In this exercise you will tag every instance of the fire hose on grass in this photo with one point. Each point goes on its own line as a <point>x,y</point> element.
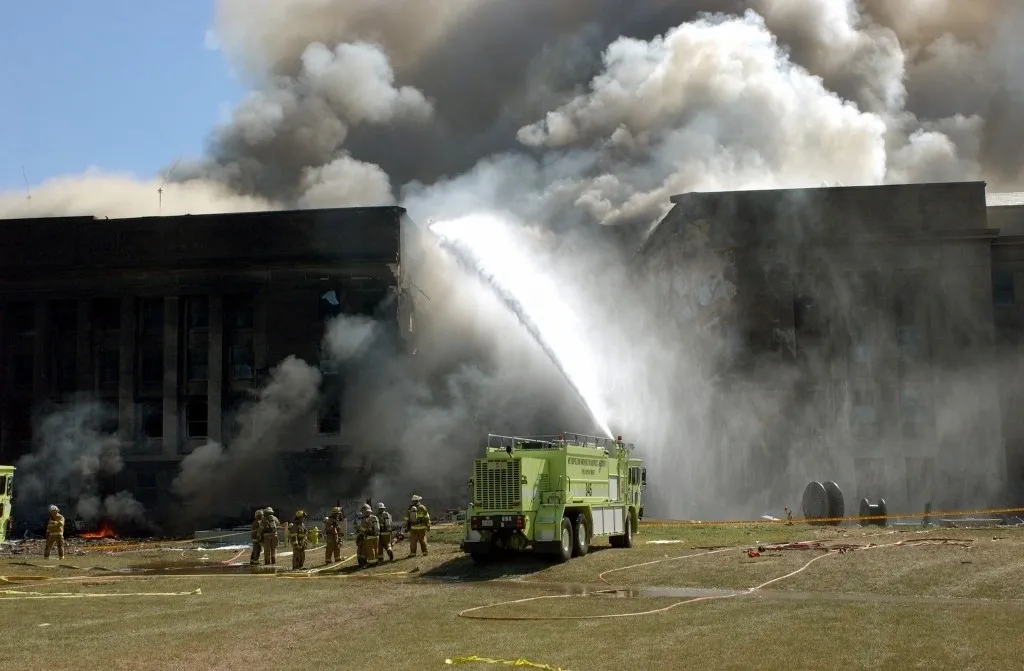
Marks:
<point>471,613</point>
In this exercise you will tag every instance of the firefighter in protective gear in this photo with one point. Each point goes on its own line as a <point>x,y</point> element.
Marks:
<point>298,540</point>
<point>54,533</point>
<point>417,521</point>
<point>257,538</point>
<point>386,529</point>
<point>333,535</point>
<point>367,536</point>
<point>268,532</point>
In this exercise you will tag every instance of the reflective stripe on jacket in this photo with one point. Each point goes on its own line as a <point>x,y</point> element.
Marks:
<point>55,526</point>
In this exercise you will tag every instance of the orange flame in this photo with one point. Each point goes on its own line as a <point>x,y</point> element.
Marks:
<point>104,531</point>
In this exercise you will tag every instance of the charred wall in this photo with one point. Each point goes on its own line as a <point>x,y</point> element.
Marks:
<point>174,322</point>
<point>868,314</point>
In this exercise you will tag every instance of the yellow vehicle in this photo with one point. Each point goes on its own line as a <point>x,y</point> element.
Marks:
<point>6,492</point>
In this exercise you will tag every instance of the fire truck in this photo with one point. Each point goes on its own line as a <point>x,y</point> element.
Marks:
<point>6,493</point>
<point>554,494</point>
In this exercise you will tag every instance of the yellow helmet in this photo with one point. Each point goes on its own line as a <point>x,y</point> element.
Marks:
<point>336,510</point>
<point>299,513</point>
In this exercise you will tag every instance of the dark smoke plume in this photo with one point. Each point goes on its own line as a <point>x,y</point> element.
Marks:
<point>566,115</point>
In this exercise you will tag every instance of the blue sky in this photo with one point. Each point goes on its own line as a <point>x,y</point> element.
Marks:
<point>115,84</point>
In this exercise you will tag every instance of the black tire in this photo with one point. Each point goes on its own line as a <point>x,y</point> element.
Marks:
<point>480,557</point>
<point>580,536</point>
<point>565,547</point>
<point>627,538</point>
<point>624,540</point>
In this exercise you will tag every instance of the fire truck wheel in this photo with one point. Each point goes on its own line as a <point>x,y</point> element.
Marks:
<point>626,539</point>
<point>480,557</point>
<point>565,545</point>
<point>580,536</point>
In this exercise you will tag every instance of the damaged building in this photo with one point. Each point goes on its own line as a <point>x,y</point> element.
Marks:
<point>887,318</point>
<point>174,322</point>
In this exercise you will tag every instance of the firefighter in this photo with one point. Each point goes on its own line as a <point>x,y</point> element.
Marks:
<point>417,521</point>
<point>54,533</point>
<point>257,538</point>
<point>386,528</point>
<point>268,532</point>
<point>297,538</point>
<point>368,535</point>
<point>332,536</point>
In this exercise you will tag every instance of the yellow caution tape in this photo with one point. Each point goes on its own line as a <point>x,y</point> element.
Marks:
<point>503,662</point>
<point>11,579</point>
<point>15,595</point>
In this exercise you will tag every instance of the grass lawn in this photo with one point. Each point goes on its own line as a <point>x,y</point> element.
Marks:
<point>919,604</point>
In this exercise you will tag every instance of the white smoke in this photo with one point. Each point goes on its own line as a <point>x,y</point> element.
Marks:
<point>75,460</point>
<point>214,478</point>
<point>594,114</point>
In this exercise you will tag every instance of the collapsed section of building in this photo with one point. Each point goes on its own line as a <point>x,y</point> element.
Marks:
<point>882,321</point>
<point>169,325</point>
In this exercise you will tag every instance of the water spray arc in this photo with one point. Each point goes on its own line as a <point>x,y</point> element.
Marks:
<point>463,253</point>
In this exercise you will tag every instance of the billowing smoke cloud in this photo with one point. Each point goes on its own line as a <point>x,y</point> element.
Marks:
<point>75,461</point>
<point>559,115</point>
<point>217,480</point>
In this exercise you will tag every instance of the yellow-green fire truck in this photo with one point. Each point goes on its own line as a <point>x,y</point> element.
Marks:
<point>554,493</point>
<point>6,493</point>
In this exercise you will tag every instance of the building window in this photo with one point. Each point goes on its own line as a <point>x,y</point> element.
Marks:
<point>914,412</point>
<point>198,310</point>
<point>198,365</point>
<point>67,365</point>
<point>243,361</point>
<point>109,365</point>
<point>151,314</point>
<point>65,317</point>
<point>21,318</point>
<point>151,419</point>
<point>329,305</point>
<point>329,418</point>
<point>110,422</point>
<point>196,415</point>
<point>911,342</point>
<point>106,314</point>
<point>1002,289</point>
<point>145,480</point>
<point>241,312</point>
<point>864,414</point>
<point>23,365</point>
<point>152,372</point>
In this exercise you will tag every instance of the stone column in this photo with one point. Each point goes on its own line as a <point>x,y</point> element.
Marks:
<point>126,369</point>
<point>86,380</point>
<point>41,369</point>
<point>259,334</point>
<point>172,417</point>
<point>215,376</point>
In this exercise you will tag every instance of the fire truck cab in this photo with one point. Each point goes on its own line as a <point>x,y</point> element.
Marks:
<point>554,494</point>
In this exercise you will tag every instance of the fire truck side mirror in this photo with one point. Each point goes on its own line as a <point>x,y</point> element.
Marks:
<point>643,477</point>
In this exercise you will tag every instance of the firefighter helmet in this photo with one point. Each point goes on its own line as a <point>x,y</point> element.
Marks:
<point>300,513</point>
<point>336,510</point>
<point>259,513</point>
<point>380,506</point>
<point>54,509</point>
<point>268,510</point>
<point>416,498</point>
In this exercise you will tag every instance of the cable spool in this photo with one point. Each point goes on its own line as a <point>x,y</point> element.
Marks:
<point>823,502</point>
<point>879,512</point>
